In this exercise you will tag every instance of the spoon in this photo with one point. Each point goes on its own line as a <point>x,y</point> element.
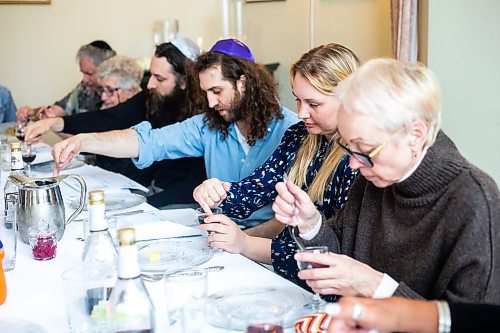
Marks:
<point>159,276</point>
<point>292,229</point>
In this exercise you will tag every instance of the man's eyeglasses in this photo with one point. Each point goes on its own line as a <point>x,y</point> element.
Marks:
<point>366,159</point>
<point>107,90</point>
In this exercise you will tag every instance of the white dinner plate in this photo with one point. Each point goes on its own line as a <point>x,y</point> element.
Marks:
<point>169,255</point>
<point>234,309</point>
<point>116,201</point>
<point>49,166</point>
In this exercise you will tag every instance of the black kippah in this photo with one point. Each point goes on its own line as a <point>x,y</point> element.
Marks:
<point>100,44</point>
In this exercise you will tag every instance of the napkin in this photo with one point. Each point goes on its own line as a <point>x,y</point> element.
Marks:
<point>313,323</point>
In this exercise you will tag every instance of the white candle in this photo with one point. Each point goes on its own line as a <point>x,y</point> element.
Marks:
<point>225,18</point>
<point>239,19</point>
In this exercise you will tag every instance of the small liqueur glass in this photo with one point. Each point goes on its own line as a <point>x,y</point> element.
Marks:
<point>29,155</point>
<point>201,215</point>
<point>316,302</point>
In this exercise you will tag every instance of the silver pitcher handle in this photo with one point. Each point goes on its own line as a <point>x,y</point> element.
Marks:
<point>83,194</point>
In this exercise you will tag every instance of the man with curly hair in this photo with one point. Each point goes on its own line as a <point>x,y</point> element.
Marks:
<point>243,125</point>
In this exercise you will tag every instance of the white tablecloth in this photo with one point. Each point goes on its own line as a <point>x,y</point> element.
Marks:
<point>35,287</point>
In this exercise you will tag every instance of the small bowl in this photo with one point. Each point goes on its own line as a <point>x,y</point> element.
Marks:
<point>43,241</point>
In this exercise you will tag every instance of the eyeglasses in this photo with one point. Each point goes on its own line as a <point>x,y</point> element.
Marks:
<point>107,90</point>
<point>366,159</point>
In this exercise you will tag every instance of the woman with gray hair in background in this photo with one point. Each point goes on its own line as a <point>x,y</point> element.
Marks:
<point>119,79</point>
<point>421,221</point>
<point>84,96</point>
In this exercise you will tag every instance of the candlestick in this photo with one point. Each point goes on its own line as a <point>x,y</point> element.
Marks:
<point>225,18</point>
<point>239,19</point>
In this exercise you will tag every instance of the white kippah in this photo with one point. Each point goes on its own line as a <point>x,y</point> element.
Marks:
<point>186,46</point>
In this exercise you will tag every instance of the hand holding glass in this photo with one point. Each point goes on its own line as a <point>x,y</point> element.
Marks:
<point>316,302</point>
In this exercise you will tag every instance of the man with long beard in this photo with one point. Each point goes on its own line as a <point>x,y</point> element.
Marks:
<point>239,131</point>
<point>165,102</point>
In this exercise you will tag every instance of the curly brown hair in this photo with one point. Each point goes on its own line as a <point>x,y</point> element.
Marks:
<point>259,103</point>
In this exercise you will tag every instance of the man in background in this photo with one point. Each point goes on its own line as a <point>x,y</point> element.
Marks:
<point>84,96</point>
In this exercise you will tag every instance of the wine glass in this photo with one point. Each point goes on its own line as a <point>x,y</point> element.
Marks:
<point>316,302</point>
<point>20,127</point>
<point>29,155</point>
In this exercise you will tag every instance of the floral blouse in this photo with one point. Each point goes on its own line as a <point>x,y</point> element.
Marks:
<point>258,190</point>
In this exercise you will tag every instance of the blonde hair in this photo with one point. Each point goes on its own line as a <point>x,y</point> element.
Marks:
<point>126,70</point>
<point>396,93</point>
<point>324,67</point>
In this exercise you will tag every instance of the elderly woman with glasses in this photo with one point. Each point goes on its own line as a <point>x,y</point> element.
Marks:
<point>119,79</point>
<point>420,221</point>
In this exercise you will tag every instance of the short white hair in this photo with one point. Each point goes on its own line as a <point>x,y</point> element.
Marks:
<point>126,70</point>
<point>396,93</point>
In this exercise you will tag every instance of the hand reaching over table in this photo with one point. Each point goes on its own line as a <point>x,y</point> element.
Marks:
<point>65,151</point>
<point>23,113</point>
<point>211,193</point>
<point>34,131</point>
<point>50,111</point>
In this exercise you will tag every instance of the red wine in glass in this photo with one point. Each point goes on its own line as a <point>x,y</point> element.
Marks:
<point>28,158</point>
<point>309,265</point>
<point>264,328</point>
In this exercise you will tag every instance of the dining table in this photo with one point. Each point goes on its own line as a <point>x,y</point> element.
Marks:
<point>34,287</point>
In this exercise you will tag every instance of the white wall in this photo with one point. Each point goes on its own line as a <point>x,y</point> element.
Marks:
<point>464,52</point>
<point>38,43</point>
<point>279,31</point>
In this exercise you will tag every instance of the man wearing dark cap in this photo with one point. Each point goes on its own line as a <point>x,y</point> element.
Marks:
<point>84,96</point>
<point>240,130</point>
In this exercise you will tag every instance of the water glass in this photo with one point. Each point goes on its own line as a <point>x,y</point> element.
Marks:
<point>316,302</point>
<point>183,288</point>
<point>194,317</point>
<point>86,296</point>
<point>201,215</point>
<point>8,236</point>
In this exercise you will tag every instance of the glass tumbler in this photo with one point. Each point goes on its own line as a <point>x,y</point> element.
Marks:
<point>43,241</point>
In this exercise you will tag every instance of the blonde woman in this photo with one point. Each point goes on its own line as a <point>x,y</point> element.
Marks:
<point>307,154</point>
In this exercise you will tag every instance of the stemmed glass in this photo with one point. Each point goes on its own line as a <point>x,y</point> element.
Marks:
<point>29,155</point>
<point>316,302</point>
<point>20,127</point>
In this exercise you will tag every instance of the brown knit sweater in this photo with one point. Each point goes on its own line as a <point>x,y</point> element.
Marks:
<point>437,233</point>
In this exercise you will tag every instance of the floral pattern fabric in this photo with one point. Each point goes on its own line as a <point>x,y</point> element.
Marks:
<point>258,190</point>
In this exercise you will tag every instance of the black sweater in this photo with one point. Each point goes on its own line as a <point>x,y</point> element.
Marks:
<point>177,177</point>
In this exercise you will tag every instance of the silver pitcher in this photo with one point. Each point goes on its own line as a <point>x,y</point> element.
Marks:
<point>40,200</point>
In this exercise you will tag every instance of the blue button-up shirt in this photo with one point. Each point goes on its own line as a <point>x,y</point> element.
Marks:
<point>7,106</point>
<point>224,158</point>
